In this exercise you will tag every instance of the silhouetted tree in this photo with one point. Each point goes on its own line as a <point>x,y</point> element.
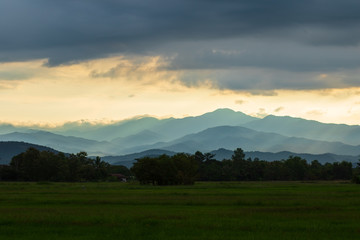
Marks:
<point>164,170</point>
<point>297,168</point>
<point>240,165</point>
<point>356,173</point>
<point>342,170</point>
<point>34,165</point>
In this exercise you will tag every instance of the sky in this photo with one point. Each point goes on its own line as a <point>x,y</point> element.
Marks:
<point>102,61</point>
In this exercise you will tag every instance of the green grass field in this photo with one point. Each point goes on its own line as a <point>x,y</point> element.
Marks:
<point>246,210</point>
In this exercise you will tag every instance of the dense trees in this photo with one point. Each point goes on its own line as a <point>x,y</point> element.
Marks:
<point>238,168</point>
<point>34,165</point>
<point>356,175</point>
<point>164,170</point>
<point>184,169</point>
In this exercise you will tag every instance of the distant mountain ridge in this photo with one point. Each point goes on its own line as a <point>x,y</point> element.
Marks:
<point>221,154</point>
<point>141,138</point>
<point>230,137</point>
<point>10,149</point>
<point>298,127</point>
<point>129,159</point>
<point>223,128</point>
<point>171,128</point>
<point>56,141</point>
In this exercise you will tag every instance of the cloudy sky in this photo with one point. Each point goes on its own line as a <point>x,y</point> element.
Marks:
<point>108,60</point>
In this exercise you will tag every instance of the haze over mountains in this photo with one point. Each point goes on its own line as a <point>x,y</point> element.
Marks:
<point>223,128</point>
<point>298,127</point>
<point>169,129</point>
<point>230,137</point>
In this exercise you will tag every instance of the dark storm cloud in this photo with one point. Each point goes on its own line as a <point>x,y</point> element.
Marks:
<point>269,53</point>
<point>70,30</point>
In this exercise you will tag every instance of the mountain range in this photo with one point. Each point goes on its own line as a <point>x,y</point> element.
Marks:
<point>11,149</point>
<point>230,137</point>
<point>223,128</point>
<point>220,154</point>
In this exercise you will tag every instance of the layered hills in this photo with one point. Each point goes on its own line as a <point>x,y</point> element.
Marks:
<point>10,149</point>
<point>223,128</point>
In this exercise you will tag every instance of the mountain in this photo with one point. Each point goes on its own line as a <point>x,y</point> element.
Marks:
<point>250,140</point>
<point>62,143</point>
<point>223,128</point>
<point>10,149</point>
<point>141,138</point>
<point>297,127</point>
<point>130,135</point>
<point>9,128</point>
<point>222,153</point>
<point>111,131</point>
<point>175,128</point>
<point>169,129</point>
<point>129,159</point>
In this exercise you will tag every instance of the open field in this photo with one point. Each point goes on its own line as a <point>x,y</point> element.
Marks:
<point>246,210</point>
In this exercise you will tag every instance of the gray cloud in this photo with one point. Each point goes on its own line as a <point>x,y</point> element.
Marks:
<point>262,81</point>
<point>286,37</point>
<point>269,53</point>
<point>69,30</point>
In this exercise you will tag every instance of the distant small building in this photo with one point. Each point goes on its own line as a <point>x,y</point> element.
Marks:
<point>119,176</point>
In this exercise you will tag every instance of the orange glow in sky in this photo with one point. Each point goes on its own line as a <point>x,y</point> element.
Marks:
<point>117,88</point>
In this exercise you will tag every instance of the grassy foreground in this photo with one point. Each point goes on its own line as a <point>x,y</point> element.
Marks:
<point>255,210</point>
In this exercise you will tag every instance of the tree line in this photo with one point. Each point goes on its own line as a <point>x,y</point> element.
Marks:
<point>35,165</point>
<point>240,168</point>
<point>165,170</point>
<point>181,168</point>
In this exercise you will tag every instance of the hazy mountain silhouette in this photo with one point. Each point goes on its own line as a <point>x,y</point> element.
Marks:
<point>297,127</point>
<point>112,131</point>
<point>250,140</point>
<point>10,149</point>
<point>223,128</point>
<point>129,159</point>
<point>9,128</point>
<point>222,153</point>
<point>175,128</point>
<point>169,129</point>
<point>59,142</point>
<point>141,138</point>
